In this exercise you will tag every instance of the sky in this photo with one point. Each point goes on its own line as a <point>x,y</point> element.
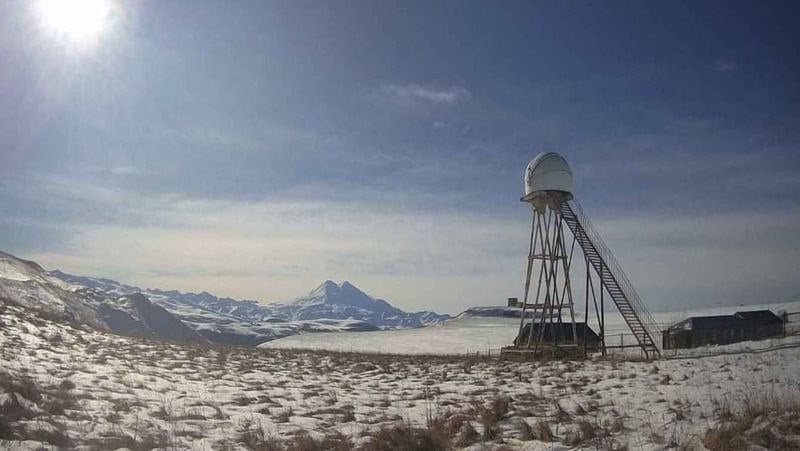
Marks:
<point>254,149</point>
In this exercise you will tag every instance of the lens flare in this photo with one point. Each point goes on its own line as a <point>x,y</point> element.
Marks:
<point>78,21</point>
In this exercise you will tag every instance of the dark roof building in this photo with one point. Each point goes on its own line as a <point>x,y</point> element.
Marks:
<point>560,333</point>
<point>723,329</point>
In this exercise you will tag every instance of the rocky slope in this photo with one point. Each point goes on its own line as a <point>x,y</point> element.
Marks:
<point>28,285</point>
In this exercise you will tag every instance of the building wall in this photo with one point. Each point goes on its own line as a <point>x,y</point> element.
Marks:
<point>694,338</point>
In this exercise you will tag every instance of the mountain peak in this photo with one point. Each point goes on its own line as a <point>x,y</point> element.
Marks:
<point>329,284</point>
<point>350,290</point>
<point>325,288</point>
<point>346,301</point>
<point>346,285</point>
<point>333,291</point>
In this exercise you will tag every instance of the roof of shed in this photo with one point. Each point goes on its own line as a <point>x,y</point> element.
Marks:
<point>738,319</point>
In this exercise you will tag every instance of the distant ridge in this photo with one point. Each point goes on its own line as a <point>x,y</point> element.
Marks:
<point>173,315</point>
<point>494,311</point>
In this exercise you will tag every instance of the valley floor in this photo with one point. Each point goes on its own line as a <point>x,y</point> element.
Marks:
<point>73,387</point>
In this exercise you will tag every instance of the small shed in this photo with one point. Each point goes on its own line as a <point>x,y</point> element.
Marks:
<point>560,333</point>
<point>723,329</point>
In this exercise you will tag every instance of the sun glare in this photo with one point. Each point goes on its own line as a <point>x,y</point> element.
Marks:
<point>79,21</point>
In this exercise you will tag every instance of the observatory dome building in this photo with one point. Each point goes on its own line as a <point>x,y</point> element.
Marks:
<point>551,328</point>
<point>548,172</point>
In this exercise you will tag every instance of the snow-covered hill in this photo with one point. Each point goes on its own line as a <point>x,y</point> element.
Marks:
<point>135,314</point>
<point>28,285</point>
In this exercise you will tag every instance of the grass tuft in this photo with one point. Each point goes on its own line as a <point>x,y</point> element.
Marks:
<point>770,421</point>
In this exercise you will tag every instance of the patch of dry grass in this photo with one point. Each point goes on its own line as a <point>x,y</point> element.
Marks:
<point>768,420</point>
<point>402,436</point>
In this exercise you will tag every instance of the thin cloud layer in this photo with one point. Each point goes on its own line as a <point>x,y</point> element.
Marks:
<point>449,260</point>
<point>412,93</point>
<point>725,65</point>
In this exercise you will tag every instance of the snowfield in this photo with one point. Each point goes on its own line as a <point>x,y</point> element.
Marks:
<point>453,337</point>
<point>486,335</point>
<point>77,387</point>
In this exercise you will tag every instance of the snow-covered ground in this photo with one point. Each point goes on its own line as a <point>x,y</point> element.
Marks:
<point>477,334</point>
<point>68,386</point>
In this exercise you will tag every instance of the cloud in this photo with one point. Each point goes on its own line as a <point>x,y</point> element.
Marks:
<point>447,260</point>
<point>702,258</point>
<point>275,250</point>
<point>411,93</point>
<point>725,65</point>
<point>119,170</point>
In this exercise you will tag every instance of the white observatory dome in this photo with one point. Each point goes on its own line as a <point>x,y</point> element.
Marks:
<point>548,172</point>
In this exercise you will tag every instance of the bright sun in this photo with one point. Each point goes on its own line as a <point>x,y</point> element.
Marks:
<point>79,21</point>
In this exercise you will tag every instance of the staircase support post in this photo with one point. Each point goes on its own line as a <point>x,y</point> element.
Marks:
<point>586,309</point>
<point>602,315</point>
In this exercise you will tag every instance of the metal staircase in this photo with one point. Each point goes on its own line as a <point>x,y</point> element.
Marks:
<point>626,299</point>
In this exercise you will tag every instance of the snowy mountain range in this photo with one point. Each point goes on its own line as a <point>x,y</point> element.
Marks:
<point>111,305</point>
